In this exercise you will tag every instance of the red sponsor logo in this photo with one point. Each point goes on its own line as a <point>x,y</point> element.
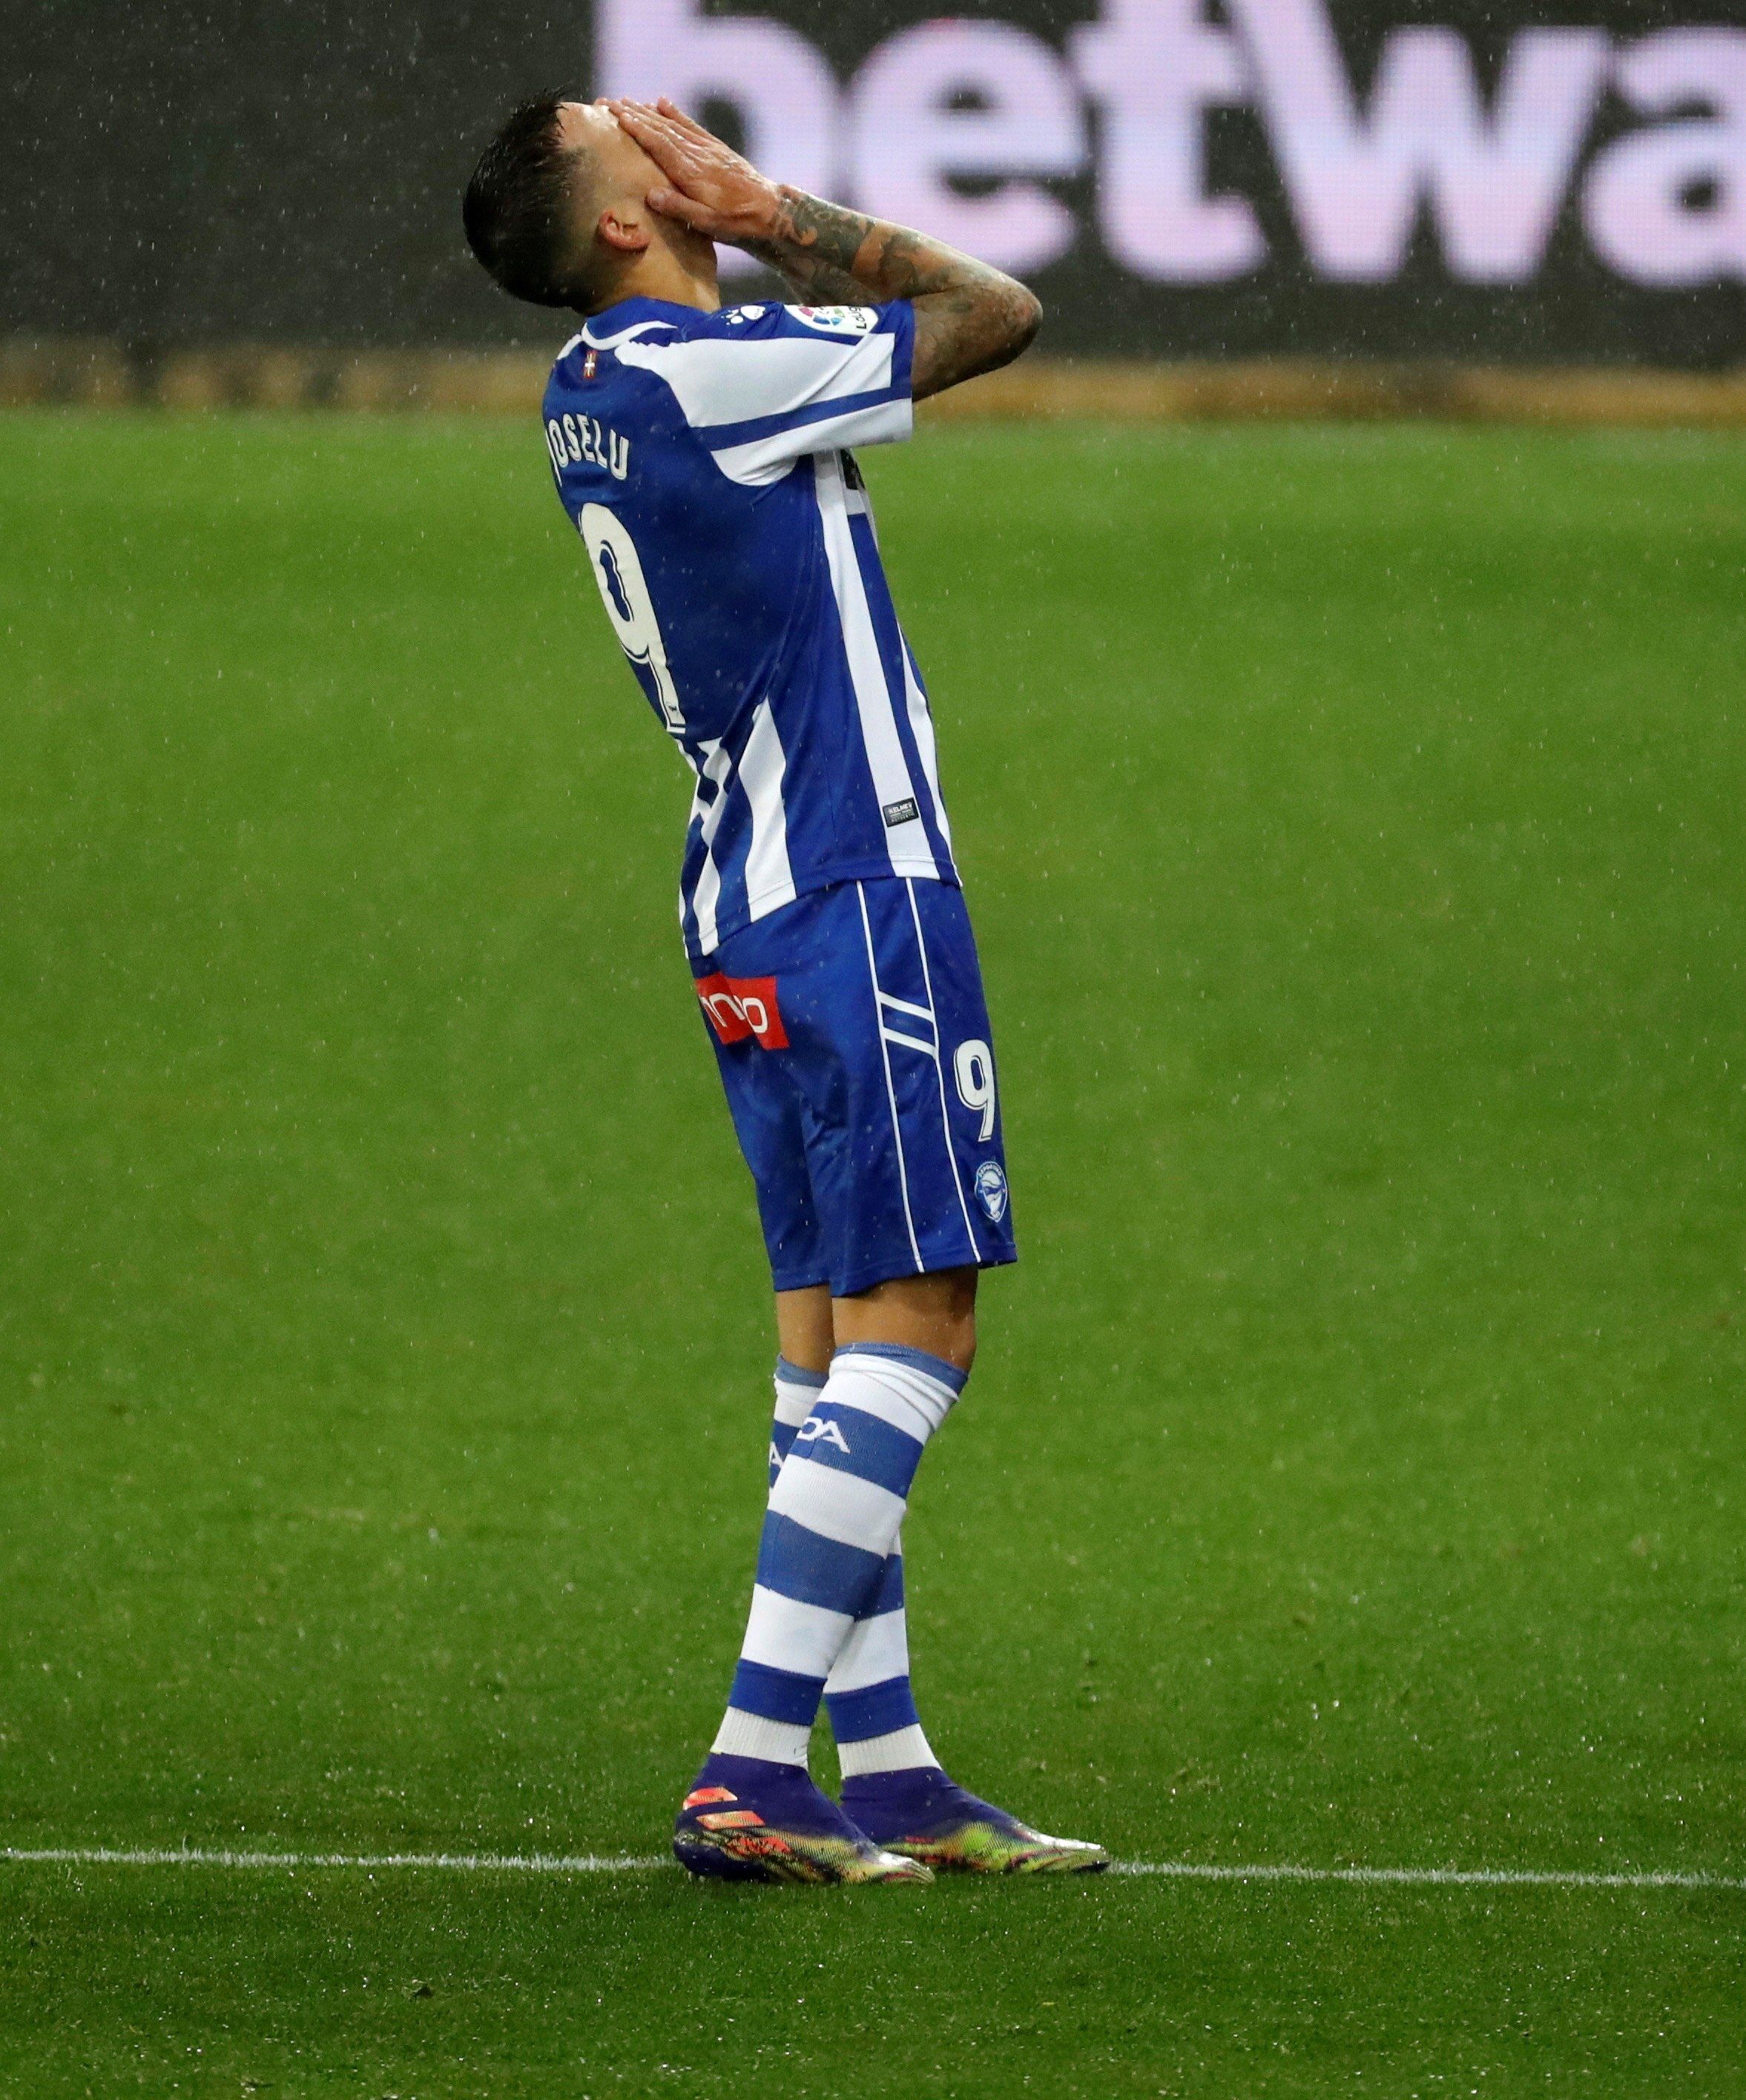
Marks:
<point>740,1007</point>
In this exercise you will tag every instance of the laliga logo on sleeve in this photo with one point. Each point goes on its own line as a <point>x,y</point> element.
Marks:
<point>839,320</point>
<point>991,1189</point>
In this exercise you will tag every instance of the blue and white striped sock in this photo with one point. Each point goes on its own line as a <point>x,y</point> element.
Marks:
<point>797,1393</point>
<point>872,1707</point>
<point>835,1512</point>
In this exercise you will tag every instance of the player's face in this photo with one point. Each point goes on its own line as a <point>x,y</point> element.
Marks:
<point>626,173</point>
<point>592,126</point>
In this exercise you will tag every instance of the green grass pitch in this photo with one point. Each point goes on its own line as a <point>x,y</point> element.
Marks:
<point>1354,1470</point>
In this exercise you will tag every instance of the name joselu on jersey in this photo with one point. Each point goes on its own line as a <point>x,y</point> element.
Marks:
<point>572,437</point>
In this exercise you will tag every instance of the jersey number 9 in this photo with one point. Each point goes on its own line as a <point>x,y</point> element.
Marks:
<point>624,592</point>
<point>973,1067</point>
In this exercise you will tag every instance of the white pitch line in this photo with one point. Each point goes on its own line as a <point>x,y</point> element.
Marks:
<point>595,1863</point>
<point>1436,1877</point>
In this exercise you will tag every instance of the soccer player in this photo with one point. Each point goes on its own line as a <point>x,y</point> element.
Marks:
<point>704,454</point>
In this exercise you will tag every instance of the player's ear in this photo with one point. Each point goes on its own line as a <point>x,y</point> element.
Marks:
<point>625,230</point>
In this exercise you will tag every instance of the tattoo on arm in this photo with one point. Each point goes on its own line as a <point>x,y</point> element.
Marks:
<point>970,318</point>
<point>808,275</point>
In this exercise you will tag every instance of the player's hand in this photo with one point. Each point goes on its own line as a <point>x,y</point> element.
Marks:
<point>709,187</point>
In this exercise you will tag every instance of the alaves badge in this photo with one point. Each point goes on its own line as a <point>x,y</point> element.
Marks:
<point>991,1189</point>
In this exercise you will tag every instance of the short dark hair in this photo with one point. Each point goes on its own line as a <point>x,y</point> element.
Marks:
<point>519,210</point>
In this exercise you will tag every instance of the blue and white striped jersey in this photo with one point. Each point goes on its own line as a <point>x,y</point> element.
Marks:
<point>703,458</point>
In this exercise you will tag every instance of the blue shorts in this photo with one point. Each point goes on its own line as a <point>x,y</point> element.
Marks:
<point>854,1046</point>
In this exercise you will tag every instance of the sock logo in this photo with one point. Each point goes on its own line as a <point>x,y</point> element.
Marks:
<point>814,1431</point>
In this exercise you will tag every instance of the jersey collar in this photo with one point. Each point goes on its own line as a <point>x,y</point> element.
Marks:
<point>628,317</point>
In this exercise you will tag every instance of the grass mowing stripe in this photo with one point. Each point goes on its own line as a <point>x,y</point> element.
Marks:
<point>1354,1465</point>
<point>539,1862</point>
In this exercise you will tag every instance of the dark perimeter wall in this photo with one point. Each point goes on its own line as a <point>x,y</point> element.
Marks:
<point>1442,179</point>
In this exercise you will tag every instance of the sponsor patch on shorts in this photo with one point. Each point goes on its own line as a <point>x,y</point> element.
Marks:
<point>739,1008</point>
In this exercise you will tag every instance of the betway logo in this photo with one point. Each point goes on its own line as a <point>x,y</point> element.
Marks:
<point>949,102</point>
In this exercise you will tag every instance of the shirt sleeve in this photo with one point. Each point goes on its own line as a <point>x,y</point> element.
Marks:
<point>764,385</point>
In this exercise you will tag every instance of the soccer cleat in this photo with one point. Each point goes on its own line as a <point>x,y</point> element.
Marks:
<point>924,1815</point>
<point>745,1819</point>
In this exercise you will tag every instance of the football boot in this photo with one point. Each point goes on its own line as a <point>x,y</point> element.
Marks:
<point>922,1814</point>
<point>745,1819</point>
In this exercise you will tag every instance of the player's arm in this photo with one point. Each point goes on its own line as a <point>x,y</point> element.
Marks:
<point>808,275</point>
<point>970,318</point>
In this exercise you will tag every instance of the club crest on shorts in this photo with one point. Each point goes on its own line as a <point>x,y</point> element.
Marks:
<point>991,1189</point>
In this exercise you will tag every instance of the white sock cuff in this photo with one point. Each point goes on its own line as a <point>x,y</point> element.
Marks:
<point>912,1391</point>
<point>743,1735</point>
<point>904,1749</point>
<point>797,1392</point>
